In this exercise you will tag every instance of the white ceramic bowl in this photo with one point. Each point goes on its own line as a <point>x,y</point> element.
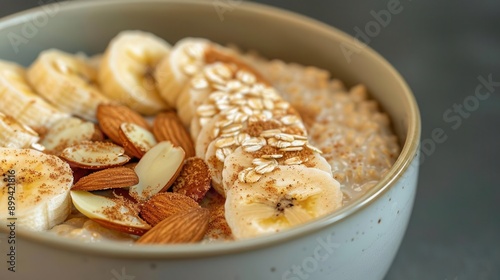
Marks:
<point>358,242</point>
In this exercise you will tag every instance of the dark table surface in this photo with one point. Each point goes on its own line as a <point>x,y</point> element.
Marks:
<point>440,48</point>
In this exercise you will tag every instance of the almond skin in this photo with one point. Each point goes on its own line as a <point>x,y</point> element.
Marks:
<point>163,205</point>
<point>194,180</point>
<point>135,140</point>
<point>111,178</point>
<point>98,135</point>
<point>79,173</point>
<point>111,116</point>
<point>124,194</point>
<point>186,227</point>
<point>168,127</point>
<point>122,228</point>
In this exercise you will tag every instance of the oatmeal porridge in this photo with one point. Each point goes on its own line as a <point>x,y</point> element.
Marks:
<point>188,143</point>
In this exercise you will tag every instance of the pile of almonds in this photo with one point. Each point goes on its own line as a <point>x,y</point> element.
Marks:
<point>156,182</point>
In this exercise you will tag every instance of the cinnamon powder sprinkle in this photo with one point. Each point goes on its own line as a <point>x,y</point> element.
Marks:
<point>194,179</point>
<point>218,229</point>
<point>122,210</point>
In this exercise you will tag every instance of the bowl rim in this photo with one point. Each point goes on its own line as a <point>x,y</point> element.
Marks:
<point>116,249</point>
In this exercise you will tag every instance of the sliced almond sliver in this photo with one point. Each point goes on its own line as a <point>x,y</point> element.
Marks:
<point>95,155</point>
<point>157,170</point>
<point>69,132</point>
<point>136,139</point>
<point>116,214</point>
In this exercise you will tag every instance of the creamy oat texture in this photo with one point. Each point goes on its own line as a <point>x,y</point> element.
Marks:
<point>354,135</point>
<point>79,227</point>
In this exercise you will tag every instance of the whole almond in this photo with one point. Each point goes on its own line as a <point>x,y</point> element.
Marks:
<point>168,127</point>
<point>111,178</point>
<point>111,116</point>
<point>186,227</point>
<point>194,180</point>
<point>163,205</point>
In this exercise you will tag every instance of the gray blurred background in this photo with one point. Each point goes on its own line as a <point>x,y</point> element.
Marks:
<point>440,48</point>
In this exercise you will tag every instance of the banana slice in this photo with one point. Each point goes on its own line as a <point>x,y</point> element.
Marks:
<point>205,135</point>
<point>185,60</point>
<point>22,103</point>
<point>280,200</point>
<point>226,159</point>
<point>127,67</point>
<point>226,88</point>
<point>229,107</point>
<point>14,134</point>
<point>39,184</point>
<point>195,93</point>
<point>181,73</point>
<point>93,61</point>
<point>207,149</point>
<point>239,160</point>
<point>67,82</point>
<point>215,164</point>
